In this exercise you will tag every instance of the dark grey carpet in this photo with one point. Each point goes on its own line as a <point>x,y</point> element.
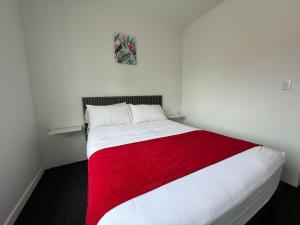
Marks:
<point>60,199</point>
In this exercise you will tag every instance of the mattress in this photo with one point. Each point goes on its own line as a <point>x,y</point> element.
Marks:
<point>228,192</point>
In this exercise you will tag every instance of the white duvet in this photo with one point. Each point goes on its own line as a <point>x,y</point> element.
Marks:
<point>200,198</point>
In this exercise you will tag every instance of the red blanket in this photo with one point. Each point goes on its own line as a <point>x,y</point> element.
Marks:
<point>120,173</point>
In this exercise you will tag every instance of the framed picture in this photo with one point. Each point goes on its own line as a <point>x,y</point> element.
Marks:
<point>125,49</point>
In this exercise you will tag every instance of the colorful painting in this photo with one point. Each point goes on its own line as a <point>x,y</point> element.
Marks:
<point>125,49</point>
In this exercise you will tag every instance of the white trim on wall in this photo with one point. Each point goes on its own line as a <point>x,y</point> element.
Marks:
<point>11,219</point>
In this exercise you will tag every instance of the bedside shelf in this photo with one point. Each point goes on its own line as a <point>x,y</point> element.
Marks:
<point>175,116</point>
<point>64,130</point>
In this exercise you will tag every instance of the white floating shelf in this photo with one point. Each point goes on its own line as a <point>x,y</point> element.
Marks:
<point>64,130</point>
<point>175,116</point>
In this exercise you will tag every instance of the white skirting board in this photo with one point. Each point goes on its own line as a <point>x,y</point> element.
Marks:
<point>22,201</point>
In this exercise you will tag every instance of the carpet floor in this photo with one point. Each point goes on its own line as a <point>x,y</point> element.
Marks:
<point>60,199</point>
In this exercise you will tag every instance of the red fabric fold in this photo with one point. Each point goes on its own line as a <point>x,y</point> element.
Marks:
<point>120,173</point>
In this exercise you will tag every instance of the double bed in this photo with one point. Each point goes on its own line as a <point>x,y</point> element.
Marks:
<point>228,192</point>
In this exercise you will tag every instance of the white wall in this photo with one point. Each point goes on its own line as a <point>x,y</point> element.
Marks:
<point>234,60</point>
<point>70,49</point>
<point>19,156</point>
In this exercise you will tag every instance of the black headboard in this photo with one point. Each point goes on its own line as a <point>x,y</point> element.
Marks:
<point>135,100</point>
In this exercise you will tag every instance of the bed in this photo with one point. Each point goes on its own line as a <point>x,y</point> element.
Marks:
<point>227,192</point>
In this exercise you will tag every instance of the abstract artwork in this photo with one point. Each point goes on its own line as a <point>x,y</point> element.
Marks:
<point>125,49</point>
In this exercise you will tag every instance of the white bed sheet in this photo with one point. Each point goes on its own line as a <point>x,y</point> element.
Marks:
<point>228,192</point>
<point>104,137</point>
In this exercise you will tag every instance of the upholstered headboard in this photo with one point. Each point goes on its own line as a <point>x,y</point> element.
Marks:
<point>135,100</point>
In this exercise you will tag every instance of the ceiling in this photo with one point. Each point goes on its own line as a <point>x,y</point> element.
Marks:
<point>178,12</point>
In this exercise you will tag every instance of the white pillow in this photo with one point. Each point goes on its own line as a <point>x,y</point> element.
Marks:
<point>86,115</point>
<point>110,115</point>
<point>144,113</point>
